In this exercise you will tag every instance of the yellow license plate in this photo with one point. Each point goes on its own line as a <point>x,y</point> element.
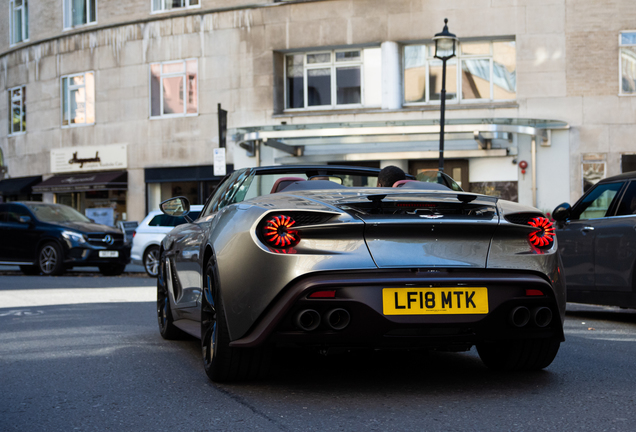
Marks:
<point>434,301</point>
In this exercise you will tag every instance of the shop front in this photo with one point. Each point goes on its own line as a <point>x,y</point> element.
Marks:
<point>193,182</point>
<point>91,179</point>
<point>19,189</point>
<point>100,196</point>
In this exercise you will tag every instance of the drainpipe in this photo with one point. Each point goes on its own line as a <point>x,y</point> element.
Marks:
<point>534,170</point>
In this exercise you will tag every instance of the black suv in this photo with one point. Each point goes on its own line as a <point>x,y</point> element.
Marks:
<point>50,238</point>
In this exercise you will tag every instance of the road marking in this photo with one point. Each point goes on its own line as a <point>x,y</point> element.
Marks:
<point>20,313</point>
<point>51,297</point>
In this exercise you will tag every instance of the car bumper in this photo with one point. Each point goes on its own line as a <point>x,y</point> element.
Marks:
<point>97,256</point>
<point>360,295</point>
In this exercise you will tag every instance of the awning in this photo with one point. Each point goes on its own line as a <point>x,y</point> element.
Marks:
<point>408,139</point>
<point>18,185</point>
<point>114,180</point>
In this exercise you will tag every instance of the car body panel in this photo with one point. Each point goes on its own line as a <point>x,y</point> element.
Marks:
<point>358,252</point>
<point>25,239</point>
<point>147,235</point>
<point>598,247</point>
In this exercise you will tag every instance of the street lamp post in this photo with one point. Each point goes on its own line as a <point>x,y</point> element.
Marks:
<point>445,44</point>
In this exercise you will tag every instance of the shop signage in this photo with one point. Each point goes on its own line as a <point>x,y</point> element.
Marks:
<point>219,162</point>
<point>89,158</point>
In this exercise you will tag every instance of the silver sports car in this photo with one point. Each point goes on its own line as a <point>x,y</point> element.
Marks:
<point>318,257</point>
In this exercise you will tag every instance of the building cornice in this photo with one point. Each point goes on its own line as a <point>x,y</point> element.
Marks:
<point>153,18</point>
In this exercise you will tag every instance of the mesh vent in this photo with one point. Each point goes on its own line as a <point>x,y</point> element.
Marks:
<point>306,218</point>
<point>522,218</point>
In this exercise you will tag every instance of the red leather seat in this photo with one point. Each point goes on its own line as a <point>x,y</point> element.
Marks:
<point>401,182</point>
<point>283,182</point>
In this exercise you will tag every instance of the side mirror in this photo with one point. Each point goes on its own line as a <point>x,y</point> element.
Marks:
<point>25,219</point>
<point>561,212</point>
<point>178,206</point>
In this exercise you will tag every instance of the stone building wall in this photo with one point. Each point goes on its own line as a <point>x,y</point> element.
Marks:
<point>567,69</point>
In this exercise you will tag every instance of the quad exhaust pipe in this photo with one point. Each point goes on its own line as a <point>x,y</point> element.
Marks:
<point>309,319</point>
<point>521,316</point>
<point>337,319</point>
<point>541,316</point>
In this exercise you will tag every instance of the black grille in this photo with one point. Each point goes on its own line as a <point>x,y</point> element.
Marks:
<point>99,239</point>
<point>305,218</point>
<point>522,218</point>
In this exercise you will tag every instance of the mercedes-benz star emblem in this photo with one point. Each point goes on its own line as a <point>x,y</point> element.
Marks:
<point>108,239</point>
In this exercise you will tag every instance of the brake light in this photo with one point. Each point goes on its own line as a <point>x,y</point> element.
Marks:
<point>134,233</point>
<point>534,292</point>
<point>543,237</point>
<point>278,232</point>
<point>323,294</point>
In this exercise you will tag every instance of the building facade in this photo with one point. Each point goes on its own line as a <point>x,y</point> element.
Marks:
<point>113,106</point>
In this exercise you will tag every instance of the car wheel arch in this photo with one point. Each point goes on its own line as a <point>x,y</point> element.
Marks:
<point>49,239</point>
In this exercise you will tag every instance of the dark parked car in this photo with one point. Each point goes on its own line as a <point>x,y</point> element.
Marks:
<point>282,257</point>
<point>597,241</point>
<point>50,238</point>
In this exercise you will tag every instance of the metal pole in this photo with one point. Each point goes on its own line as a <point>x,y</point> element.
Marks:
<point>441,125</point>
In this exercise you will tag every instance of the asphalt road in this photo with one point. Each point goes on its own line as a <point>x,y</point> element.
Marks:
<point>83,353</point>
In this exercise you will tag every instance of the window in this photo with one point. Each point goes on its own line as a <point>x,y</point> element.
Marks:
<point>592,171</point>
<point>173,88</point>
<point>331,79</point>
<point>627,59</point>
<point>166,5</point>
<point>172,221</point>
<point>481,71</point>
<point>597,202</point>
<point>79,12</point>
<point>17,110</point>
<point>78,99</point>
<point>18,21</point>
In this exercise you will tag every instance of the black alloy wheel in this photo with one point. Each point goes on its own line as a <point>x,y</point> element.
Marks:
<point>151,261</point>
<point>519,355</point>
<point>167,329</point>
<point>50,259</point>
<point>221,362</point>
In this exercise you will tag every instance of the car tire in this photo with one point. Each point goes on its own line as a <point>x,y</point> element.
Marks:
<point>30,270</point>
<point>221,362</point>
<point>50,259</point>
<point>112,269</point>
<point>519,355</point>
<point>151,261</point>
<point>167,329</point>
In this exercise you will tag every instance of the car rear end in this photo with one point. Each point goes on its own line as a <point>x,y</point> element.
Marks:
<point>448,271</point>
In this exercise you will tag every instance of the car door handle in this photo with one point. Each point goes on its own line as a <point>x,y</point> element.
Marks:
<point>587,229</point>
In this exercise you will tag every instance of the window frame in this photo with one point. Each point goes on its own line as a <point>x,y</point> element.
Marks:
<point>67,8</point>
<point>22,109</point>
<point>62,96</point>
<point>186,6</point>
<point>185,88</point>
<point>620,61</point>
<point>25,22</point>
<point>458,61</point>
<point>333,65</point>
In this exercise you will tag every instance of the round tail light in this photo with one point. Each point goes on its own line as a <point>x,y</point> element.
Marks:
<point>278,232</point>
<point>543,237</point>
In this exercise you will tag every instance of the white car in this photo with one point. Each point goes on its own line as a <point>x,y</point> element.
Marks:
<point>148,235</point>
